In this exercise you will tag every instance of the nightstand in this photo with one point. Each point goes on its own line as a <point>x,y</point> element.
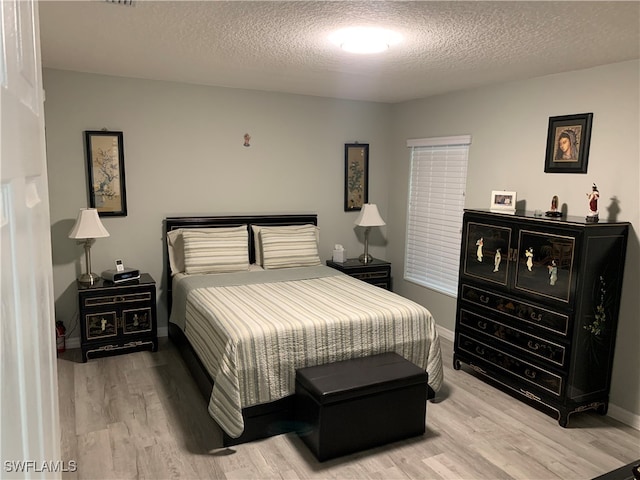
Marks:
<point>377,272</point>
<point>117,317</point>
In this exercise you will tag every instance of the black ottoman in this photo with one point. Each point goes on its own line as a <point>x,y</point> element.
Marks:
<point>353,405</point>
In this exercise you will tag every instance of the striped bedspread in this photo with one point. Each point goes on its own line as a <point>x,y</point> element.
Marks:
<point>253,330</point>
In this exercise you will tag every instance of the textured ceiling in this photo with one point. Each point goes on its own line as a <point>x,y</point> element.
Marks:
<point>284,47</point>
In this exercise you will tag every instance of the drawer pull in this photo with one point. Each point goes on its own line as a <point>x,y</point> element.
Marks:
<point>536,317</point>
<point>482,325</point>
<point>477,369</point>
<point>528,394</point>
<point>530,373</point>
<point>485,299</point>
<point>532,345</point>
<point>480,350</point>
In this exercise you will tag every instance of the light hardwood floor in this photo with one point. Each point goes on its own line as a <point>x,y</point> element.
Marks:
<point>140,416</point>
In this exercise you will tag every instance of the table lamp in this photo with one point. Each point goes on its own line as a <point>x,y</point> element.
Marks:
<point>87,227</point>
<point>369,217</point>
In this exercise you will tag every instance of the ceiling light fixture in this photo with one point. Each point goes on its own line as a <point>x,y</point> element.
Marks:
<point>365,39</point>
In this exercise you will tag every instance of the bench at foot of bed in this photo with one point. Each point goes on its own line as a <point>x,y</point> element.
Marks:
<point>353,405</point>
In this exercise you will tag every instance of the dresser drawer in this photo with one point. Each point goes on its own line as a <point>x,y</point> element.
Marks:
<point>95,301</point>
<point>372,274</point>
<point>511,365</point>
<point>377,272</point>
<point>531,344</point>
<point>516,309</point>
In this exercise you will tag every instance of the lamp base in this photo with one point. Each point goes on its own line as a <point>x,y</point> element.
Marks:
<point>88,278</point>
<point>365,258</point>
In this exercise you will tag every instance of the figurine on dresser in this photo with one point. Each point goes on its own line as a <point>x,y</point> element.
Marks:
<point>554,212</point>
<point>593,204</point>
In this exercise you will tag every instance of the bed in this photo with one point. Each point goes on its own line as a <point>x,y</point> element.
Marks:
<point>250,302</point>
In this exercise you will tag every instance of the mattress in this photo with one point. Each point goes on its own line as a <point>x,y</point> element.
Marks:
<point>252,330</point>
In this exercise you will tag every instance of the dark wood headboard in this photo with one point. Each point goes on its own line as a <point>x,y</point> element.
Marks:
<point>172,223</point>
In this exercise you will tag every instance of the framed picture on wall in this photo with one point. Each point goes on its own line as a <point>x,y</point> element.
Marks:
<point>356,176</point>
<point>568,140</point>
<point>105,171</point>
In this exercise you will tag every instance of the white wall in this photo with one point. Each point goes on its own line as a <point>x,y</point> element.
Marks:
<point>508,124</point>
<point>184,154</point>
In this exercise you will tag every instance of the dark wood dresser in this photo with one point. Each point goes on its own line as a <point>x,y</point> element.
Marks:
<point>117,317</point>
<point>537,308</point>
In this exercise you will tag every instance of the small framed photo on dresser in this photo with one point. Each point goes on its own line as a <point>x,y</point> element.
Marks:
<point>503,201</point>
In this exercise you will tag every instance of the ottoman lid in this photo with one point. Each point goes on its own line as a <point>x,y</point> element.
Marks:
<point>334,382</point>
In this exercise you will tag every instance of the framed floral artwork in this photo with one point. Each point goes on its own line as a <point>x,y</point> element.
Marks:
<point>356,176</point>
<point>105,169</point>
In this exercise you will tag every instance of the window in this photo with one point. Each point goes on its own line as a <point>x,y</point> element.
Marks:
<point>434,215</point>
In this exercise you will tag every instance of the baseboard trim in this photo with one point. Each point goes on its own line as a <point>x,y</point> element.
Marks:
<point>614,411</point>
<point>445,333</point>
<point>624,416</point>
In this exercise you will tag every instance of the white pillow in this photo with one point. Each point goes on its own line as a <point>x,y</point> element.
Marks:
<point>285,249</point>
<point>257,241</point>
<point>175,250</point>
<point>216,250</point>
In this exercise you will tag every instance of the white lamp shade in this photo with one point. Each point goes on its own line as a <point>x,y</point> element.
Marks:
<point>369,216</point>
<point>88,225</point>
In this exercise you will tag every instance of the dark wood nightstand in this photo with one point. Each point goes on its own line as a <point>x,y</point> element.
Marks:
<point>377,272</point>
<point>117,317</point>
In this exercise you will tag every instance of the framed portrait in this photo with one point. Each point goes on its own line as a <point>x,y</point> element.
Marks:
<point>568,141</point>
<point>105,171</point>
<point>356,176</point>
<point>503,201</point>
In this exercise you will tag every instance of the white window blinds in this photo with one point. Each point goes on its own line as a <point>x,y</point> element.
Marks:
<point>434,218</point>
